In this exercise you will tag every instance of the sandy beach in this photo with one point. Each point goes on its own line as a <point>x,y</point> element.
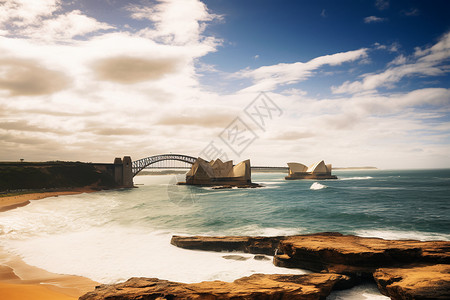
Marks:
<point>11,202</point>
<point>20,281</point>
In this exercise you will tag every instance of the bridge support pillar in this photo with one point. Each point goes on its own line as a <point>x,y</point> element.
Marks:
<point>127,172</point>
<point>123,174</point>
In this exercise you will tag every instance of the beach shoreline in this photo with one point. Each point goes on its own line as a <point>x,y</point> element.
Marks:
<point>19,280</point>
<point>15,201</point>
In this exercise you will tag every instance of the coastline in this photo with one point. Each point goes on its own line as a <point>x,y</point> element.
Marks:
<point>11,202</point>
<point>355,181</point>
<point>19,280</point>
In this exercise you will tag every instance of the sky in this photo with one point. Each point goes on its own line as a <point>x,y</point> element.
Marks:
<point>355,83</point>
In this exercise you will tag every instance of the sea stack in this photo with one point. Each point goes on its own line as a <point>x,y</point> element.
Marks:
<point>319,170</point>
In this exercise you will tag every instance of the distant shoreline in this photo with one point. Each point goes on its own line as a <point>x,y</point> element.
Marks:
<point>254,170</point>
<point>355,168</point>
<point>23,198</point>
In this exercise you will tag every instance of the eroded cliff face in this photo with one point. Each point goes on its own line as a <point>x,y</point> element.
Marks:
<point>258,286</point>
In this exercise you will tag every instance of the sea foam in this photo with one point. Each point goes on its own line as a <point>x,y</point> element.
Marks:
<point>110,255</point>
<point>357,178</point>
<point>403,235</point>
<point>365,291</point>
<point>317,186</point>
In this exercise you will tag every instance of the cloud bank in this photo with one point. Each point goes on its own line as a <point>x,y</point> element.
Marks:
<point>73,87</point>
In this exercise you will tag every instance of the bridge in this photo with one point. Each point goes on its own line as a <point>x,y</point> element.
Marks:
<point>166,161</point>
<point>156,160</point>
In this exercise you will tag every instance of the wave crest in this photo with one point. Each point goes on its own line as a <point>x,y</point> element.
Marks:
<point>317,186</point>
<point>357,178</point>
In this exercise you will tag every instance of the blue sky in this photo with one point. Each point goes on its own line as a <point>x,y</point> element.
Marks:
<point>355,83</point>
<point>258,33</point>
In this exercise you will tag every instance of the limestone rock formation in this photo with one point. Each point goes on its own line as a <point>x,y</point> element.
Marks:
<point>216,172</point>
<point>421,282</point>
<point>319,170</point>
<point>356,256</point>
<point>258,286</point>
<point>247,244</point>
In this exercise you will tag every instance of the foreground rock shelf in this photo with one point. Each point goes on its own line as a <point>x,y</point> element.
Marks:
<point>356,256</point>
<point>258,286</point>
<point>402,269</point>
<point>427,282</point>
<point>246,244</point>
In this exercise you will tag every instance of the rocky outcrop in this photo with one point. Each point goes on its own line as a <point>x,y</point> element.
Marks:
<point>258,286</point>
<point>246,244</point>
<point>356,256</point>
<point>423,282</point>
<point>403,269</point>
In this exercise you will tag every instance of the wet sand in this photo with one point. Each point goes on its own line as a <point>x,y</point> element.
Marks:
<point>20,281</point>
<point>11,202</point>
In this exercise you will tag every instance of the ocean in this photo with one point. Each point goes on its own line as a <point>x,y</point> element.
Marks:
<point>110,236</point>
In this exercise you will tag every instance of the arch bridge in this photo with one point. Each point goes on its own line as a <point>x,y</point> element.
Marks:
<point>141,164</point>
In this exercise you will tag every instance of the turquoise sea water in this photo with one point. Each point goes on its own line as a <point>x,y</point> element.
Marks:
<point>415,203</point>
<point>110,236</point>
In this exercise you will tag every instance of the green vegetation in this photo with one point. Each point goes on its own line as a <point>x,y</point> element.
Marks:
<point>51,175</point>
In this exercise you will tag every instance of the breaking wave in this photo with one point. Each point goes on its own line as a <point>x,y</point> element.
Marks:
<point>317,186</point>
<point>357,178</point>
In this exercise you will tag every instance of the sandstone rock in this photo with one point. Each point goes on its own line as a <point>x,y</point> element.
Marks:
<point>421,282</point>
<point>236,257</point>
<point>260,257</point>
<point>258,286</point>
<point>396,262</point>
<point>221,187</point>
<point>352,255</point>
<point>254,245</point>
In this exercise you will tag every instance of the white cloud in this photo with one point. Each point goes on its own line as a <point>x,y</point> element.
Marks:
<point>411,12</point>
<point>66,26</point>
<point>269,77</point>
<point>105,91</point>
<point>382,4</point>
<point>172,22</point>
<point>44,20</point>
<point>28,77</point>
<point>21,13</point>
<point>399,60</point>
<point>373,19</point>
<point>429,62</point>
<point>379,130</point>
<point>394,47</point>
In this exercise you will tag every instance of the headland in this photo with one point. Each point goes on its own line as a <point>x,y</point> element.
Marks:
<point>21,182</point>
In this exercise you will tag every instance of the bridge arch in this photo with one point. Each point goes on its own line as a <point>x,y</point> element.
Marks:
<point>141,164</point>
